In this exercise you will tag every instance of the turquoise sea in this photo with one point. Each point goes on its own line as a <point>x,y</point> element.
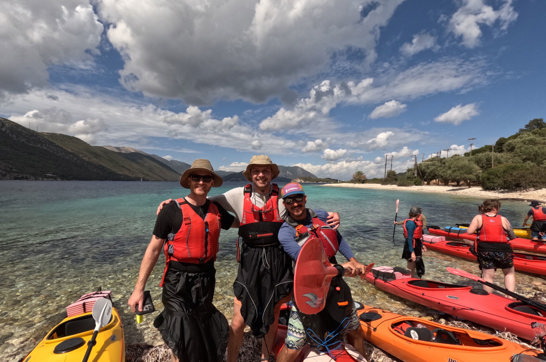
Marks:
<point>61,239</point>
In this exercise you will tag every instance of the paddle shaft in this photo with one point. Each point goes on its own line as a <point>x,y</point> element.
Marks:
<point>531,302</point>
<point>395,217</point>
<point>90,345</point>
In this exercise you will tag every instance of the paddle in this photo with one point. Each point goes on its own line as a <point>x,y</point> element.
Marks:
<point>312,276</point>
<point>464,274</point>
<point>102,312</point>
<point>395,217</point>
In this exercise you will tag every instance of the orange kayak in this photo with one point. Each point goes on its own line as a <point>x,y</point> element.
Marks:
<point>417,339</point>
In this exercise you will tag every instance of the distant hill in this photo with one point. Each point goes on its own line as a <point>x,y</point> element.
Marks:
<point>29,155</point>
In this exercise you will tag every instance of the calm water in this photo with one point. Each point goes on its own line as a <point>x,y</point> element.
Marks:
<point>62,239</point>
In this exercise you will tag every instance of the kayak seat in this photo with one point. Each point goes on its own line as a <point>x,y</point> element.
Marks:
<point>525,309</point>
<point>445,336</point>
<point>423,283</point>
<point>79,325</point>
<point>421,334</point>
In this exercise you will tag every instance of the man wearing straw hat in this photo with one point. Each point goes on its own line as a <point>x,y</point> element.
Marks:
<point>264,279</point>
<point>188,230</point>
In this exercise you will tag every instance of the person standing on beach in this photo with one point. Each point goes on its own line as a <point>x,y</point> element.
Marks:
<point>413,242</point>
<point>188,230</point>
<point>492,247</point>
<point>538,227</point>
<point>264,277</point>
<point>300,224</point>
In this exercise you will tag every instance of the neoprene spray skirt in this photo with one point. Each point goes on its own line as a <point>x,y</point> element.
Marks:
<point>190,324</point>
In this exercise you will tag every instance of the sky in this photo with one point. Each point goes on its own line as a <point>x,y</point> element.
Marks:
<point>334,87</point>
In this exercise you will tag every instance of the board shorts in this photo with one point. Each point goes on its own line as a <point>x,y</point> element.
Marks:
<point>538,227</point>
<point>328,327</point>
<point>264,278</point>
<point>495,255</point>
<point>190,324</point>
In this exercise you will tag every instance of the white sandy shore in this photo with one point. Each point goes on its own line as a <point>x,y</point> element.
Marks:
<point>474,191</point>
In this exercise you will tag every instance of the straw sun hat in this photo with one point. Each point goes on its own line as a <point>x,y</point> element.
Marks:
<point>261,160</point>
<point>200,165</point>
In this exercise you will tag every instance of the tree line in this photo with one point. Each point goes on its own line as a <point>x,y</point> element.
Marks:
<point>514,163</point>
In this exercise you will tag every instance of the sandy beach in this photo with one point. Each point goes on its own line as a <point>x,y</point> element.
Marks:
<point>474,191</point>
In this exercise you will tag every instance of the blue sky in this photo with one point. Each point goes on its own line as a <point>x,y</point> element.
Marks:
<point>332,86</point>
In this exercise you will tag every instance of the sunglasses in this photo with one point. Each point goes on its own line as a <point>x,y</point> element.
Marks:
<point>291,200</point>
<point>204,178</point>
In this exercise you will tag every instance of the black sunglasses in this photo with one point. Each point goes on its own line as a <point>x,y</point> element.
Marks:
<point>204,178</point>
<point>291,200</point>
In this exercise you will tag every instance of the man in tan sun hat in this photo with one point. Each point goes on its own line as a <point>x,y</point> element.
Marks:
<point>188,230</point>
<point>264,277</point>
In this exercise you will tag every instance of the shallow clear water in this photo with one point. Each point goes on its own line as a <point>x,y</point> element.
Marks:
<point>63,239</point>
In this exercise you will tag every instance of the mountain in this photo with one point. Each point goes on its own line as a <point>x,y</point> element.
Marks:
<point>29,155</point>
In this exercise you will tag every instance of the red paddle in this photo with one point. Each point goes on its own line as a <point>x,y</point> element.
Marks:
<point>464,274</point>
<point>312,276</point>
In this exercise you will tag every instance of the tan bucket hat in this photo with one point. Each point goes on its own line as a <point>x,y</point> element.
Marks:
<point>261,160</point>
<point>200,165</point>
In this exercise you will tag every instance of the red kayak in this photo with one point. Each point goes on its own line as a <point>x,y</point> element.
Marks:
<point>529,263</point>
<point>463,302</point>
<point>517,243</point>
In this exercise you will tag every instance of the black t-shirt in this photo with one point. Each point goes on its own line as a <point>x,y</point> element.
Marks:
<point>170,218</point>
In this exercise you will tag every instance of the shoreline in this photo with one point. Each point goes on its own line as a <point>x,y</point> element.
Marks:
<point>474,191</point>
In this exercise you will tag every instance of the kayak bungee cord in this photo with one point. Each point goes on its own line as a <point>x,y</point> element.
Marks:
<point>330,342</point>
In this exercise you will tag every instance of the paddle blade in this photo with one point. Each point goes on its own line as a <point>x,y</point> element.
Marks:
<point>102,312</point>
<point>464,274</point>
<point>397,204</point>
<point>312,276</point>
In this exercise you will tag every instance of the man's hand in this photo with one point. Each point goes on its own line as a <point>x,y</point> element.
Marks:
<point>136,300</point>
<point>163,203</point>
<point>333,220</point>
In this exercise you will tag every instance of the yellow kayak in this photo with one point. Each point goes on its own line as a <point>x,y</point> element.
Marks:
<point>520,232</point>
<point>67,341</point>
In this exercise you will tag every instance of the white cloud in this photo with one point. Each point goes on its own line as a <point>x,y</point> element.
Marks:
<point>344,170</point>
<point>333,155</point>
<point>39,34</point>
<point>313,146</point>
<point>419,43</point>
<point>381,140</point>
<point>467,21</point>
<point>106,120</point>
<point>252,50</point>
<point>311,114</point>
<point>458,114</point>
<point>391,108</point>
<point>234,167</point>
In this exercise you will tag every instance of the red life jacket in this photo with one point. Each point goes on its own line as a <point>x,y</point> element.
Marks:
<point>259,225</point>
<point>196,242</point>
<point>417,233</point>
<point>492,230</point>
<point>538,214</point>
<point>321,230</point>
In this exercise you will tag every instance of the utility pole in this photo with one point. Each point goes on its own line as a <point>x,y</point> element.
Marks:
<point>447,152</point>
<point>492,156</point>
<point>471,144</point>
<point>385,174</point>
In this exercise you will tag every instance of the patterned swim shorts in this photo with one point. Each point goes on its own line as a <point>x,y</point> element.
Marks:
<point>495,259</point>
